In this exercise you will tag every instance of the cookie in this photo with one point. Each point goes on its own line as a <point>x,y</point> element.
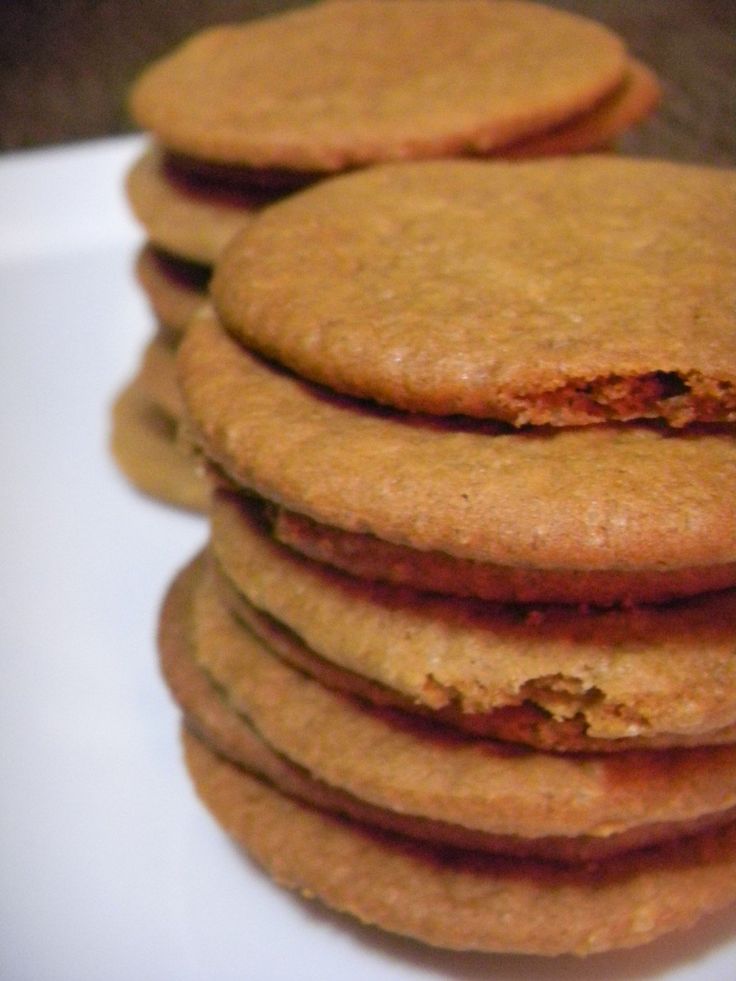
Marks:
<point>636,97</point>
<point>526,723</point>
<point>417,779</point>
<point>556,291</point>
<point>646,671</point>
<point>459,899</point>
<point>192,207</point>
<point>156,377</point>
<point>190,225</point>
<point>174,288</point>
<point>596,497</point>
<point>342,84</point>
<point>171,194</point>
<point>371,558</point>
<point>146,447</point>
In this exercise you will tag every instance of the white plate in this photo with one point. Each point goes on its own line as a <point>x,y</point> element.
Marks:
<point>110,867</point>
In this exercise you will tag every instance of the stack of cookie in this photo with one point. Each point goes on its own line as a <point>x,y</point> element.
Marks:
<point>243,115</point>
<point>459,659</point>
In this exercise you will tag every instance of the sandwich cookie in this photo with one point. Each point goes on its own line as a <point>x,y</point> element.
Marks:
<point>648,671</point>
<point>192,208</point>
<point>182,219</point>
<point>372,558</point>
<point>526,723</point>
<point>606,497</point>
<point>145,438</point>
<point>343,84</point>
<point>418,779</point>
<point>459,899</point>
<point>230,133</point>
<point>175,289</point>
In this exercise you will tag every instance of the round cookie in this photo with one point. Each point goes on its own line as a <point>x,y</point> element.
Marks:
<point>339,84</point>
<point>556,291</point>
<point>634,98</point>
<point>526,723</point>
<point>597,497</point>
<point>646,671</point>
<point>190,224</point>
<point>147,450</point>
<point>175,289</point>
<point>371,558</point>
<point>415,778</point>
<point>156,377</point>
<point>462,900</point>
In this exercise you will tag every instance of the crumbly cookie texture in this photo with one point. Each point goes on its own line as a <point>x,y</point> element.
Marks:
<point>463,900</point>
<point>633,497</point>
<point>340,84</point>
<point>626,672</point>
<point>556,291</point>
<point>526,723</point>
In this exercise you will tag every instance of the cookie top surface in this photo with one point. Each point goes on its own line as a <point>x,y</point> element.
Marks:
<point>339,84</point>
<point>560,291</point>
<point>644,671</point>
<point>634,497</point>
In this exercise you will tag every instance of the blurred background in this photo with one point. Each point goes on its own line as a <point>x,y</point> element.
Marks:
<point>65,65</point>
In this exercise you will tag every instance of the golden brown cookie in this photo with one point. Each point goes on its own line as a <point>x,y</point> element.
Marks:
<point>231,696</point>
<point>146,448</point>
<point>339,84</point>
<point>649,671</point>
<point>627,498</point>
<point>632,101</point>
<point>459,899</point>
<point>191,225</point>
<point>421,769</point>
<point>372,558</point>
<point>175,289</point>
<point>156,377</point>
<point>191,207</point>
<point>556,291</point>
<point>526,723</point>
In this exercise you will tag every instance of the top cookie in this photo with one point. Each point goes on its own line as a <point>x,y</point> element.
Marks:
<point>616,497</point>
<point>346,83</point>
<point>558,292</point>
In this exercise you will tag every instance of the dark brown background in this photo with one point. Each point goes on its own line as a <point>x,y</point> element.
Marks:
<point>65,65</point>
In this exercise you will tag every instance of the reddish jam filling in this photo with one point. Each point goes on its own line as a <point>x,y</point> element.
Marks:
<point>246,186</point>
<point>190,275</point>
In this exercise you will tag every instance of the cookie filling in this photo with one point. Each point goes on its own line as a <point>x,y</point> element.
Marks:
<point>180,272</point>
<point>680,398</point>
<point>247,186</point>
